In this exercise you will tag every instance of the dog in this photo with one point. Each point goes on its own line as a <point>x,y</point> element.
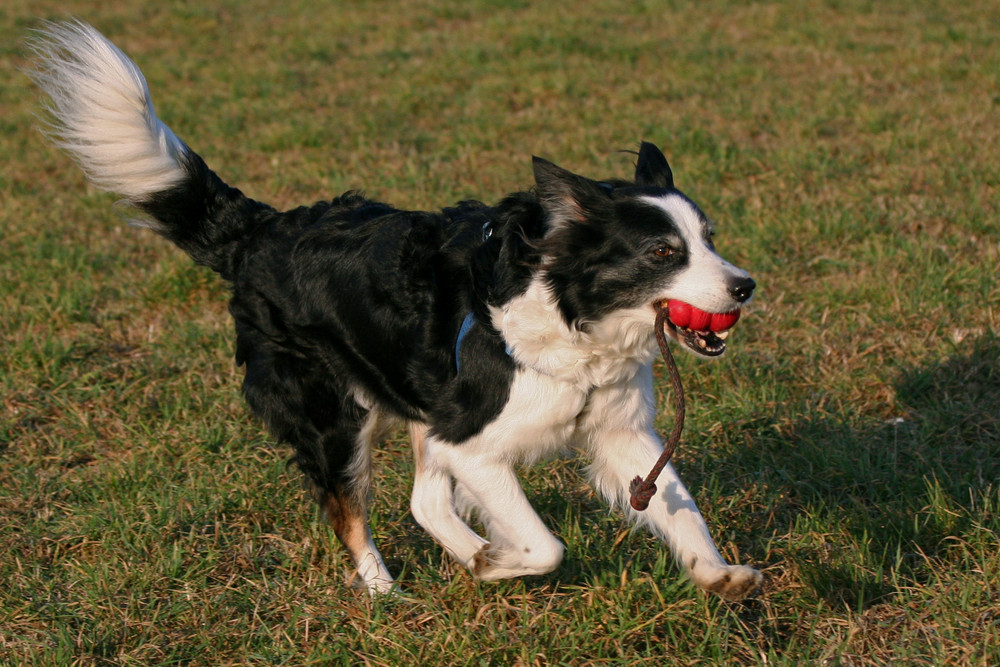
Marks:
<point>497,335</point>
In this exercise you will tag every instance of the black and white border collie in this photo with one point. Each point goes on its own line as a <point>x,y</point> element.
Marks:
<point>497,334</point>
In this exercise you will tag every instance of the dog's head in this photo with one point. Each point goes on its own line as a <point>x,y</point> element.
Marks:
<point>634,247</point>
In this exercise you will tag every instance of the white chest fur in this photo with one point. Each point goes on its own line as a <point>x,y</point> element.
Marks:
<point>539,419</point>
<point>605,353</point>
<point>562,368</point>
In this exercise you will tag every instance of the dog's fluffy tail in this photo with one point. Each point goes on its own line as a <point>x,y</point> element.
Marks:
<point>102,115</point>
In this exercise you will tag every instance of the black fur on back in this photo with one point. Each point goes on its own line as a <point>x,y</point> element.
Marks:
<point>351,302</point>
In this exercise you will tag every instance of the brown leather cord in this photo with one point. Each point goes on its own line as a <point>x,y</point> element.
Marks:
<point>642,490</point>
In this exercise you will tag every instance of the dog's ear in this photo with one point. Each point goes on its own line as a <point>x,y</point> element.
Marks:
<point>652,169</point>
<point>565,196</point>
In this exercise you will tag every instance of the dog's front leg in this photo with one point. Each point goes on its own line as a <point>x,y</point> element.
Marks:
<point>433,504</point>
<point>672,513</point>
<point>622,443</point>
<point>519,545</point>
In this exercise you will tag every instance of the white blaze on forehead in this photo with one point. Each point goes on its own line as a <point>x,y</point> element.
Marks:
<point>690,223</point>
<point>705,282</point>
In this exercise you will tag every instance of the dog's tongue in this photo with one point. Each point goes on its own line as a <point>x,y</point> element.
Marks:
<point>686,316</point>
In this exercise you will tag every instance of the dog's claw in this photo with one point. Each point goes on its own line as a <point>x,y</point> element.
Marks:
<point>481,561</point>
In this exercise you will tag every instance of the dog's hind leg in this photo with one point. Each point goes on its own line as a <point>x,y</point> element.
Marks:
<point>345,506</point>
<point>332,435</point>
<point>349,520</point>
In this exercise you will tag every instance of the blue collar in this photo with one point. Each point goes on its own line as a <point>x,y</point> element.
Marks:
<point>470,319</point>
<point>467,323</point>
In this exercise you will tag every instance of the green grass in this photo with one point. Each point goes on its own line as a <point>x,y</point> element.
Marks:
<point>849,444</point>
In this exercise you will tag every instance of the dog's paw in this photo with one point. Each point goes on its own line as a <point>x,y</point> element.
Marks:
<point>492,563</point>
<point>735,582</point>
<point>376,587</point>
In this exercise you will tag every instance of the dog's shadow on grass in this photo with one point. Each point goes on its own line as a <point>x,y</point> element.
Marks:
<point>850,506</point>
<point>898,491</point>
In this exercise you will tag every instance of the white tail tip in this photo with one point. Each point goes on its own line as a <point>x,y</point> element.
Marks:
<point>102,114</point>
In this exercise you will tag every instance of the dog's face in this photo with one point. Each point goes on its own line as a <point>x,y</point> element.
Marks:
<point>632,247</point>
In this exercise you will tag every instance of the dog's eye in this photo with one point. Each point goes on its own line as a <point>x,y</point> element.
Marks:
<point>663,250</point>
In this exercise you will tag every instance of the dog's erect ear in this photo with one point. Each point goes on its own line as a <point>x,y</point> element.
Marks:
<point>652,169</point>
<point>565,196</point>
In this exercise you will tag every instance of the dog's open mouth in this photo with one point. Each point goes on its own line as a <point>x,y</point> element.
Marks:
<point>702,332</point>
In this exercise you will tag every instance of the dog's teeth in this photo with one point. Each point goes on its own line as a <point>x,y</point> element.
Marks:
<point>702,344</point>
<point>722,335</point>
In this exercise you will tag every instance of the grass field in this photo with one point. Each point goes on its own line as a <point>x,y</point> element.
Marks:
<point>848,444</point>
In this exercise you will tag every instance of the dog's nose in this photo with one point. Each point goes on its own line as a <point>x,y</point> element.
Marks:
<point>743,290</point>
